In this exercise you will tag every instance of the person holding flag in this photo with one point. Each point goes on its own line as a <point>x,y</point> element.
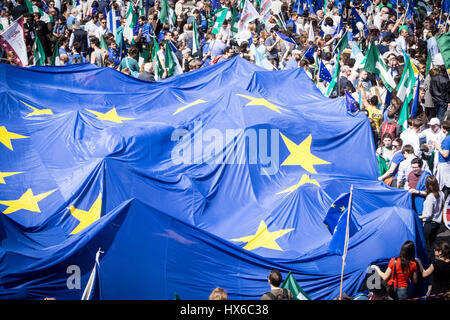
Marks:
<point>275,280</point>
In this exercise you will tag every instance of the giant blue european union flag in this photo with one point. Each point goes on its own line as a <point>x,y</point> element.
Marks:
<point>211,178</point>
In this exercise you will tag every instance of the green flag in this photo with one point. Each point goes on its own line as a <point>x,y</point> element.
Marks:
<point>405,90</point>
<point>429,64</point>
<point>169,60</point>
<point>443,41</point>
<point>157,67</point>
<point>220,18</point>
<point>55,56</point>
<point>375,64</point>
<point>336,73</point>
<point>132,18</point>
<point>343,43</point>
<point>103,44</point>
<point>291,284</point>
<point>32,8</point>
<point>234,21</point>
<point>164,12</point>
<point>39,54</point>
<point>195,42</point>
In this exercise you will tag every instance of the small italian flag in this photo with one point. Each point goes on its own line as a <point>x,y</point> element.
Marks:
<point>405,90</point>
<point>220,18</point>
<point>195,42</point>
<point>39,54</point>
<point>132,18</point>
<point>375,64</point>
<point>32,9</point>
<point>291,284</point>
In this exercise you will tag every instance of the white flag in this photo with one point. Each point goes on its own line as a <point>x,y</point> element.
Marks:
<point>311,32</point>
<point>113,21</point>
<point>249,14</point>
<point>13,39</point>
<point>265,14</point>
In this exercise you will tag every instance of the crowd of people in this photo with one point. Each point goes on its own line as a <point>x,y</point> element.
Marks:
<point>156,39</point>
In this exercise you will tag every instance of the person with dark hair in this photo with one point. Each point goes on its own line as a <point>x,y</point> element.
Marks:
<point>97,53</point>
<point>411,136</point>
<point>374,113</point>
<point>276,293</point>
<point>439,90</point>
<point>439,269</point>
<point>432,212</point>
<point>130,61</point>
<point>75,56</point>
<point>415,184</point>
<point>272,44</point>
<point>400,270</point>
<point>380,293</point>
<point>42,32</point>
<point>80,36</point>
<point>397,158</point>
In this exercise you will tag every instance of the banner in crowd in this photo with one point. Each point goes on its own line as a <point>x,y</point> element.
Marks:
<point>13,39</point>
<point>205,179</point>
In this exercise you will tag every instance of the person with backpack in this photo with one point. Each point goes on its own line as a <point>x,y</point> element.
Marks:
<point>391,126</point>
<point>130,62</point>
<point>276,293</point>
<point>75,56</point>
<point>400,270</point>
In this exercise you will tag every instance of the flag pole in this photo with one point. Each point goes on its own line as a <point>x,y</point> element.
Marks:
<point>440,15</point>
<point>347,233</point>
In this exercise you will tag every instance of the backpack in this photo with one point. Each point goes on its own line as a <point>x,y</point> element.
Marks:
<point>76,59</point>
<point>389,128</point>
<point>283,296</point>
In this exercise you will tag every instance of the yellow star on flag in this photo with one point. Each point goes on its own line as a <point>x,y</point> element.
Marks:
<point>6,137</point>
<point>188,106</point>
<point>263,238</point>
<point>3,175</point>
<point>342,208</point>
<point>86,218</point>
<point>305,179</point>
<point>36,111</point>
<point>261,102</point>
<point>301,155</point>
<point>111,115</point>
<point>28,201</point>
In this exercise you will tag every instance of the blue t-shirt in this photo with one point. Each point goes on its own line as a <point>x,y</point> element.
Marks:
<point>397,158</point>
<point>445,145</point>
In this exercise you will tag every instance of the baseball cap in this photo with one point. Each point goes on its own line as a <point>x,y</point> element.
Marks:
<point>434,121</point>
<point>295,51</point>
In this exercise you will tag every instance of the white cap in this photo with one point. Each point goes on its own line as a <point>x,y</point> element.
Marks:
<point>434,121</point>
<point>295,51</point>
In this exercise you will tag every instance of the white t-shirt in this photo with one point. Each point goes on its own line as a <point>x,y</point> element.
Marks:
<point>432,136</point>
<point>409,136</point>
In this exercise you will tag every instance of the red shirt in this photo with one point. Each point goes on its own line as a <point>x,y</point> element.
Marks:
<point>401,279</point>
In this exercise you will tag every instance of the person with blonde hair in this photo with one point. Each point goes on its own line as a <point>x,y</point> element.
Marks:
<point>218,294</point>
